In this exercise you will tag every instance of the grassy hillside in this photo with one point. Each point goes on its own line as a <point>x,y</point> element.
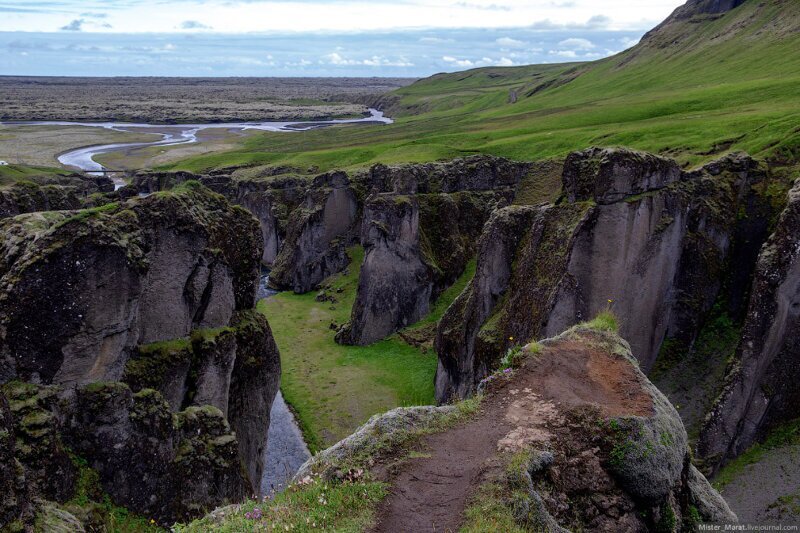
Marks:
<point>695,87</point>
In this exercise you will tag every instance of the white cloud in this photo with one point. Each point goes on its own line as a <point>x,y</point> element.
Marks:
<point>335,58</point>
<point>577,43</point>
<point>509,42</point>
<point>482,62</point>
<point>236,16</point>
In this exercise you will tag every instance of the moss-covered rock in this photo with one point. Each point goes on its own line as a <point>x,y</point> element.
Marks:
<point>634,233</point>
<point>178,261</point>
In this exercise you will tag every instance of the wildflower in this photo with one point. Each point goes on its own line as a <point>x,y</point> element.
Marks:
<point>152,521</point>
<point>511,338</point>
<point>507,371</point>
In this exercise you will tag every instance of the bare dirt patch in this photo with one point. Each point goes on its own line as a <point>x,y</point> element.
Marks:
<point>430,493</point>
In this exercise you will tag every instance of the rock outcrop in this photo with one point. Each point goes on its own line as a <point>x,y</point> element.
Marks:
<point>608,452</point>
<point>123,274</point>
<point>761,385</point>
<point>318,234</point>
<point>50,194</point>
<point>419,238</point>
<point>632,232</point>
<point>575,438</point>
<point>128,337</point>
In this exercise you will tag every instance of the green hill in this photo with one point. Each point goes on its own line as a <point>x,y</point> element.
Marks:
<point>701,83</point>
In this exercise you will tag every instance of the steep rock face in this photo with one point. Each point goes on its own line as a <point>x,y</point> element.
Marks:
<point>234,369</point>
<point>178,262</point>
<point>16,495</point>
<point>157,292</point>
<point>319,232</point>
<point>415,247</point>
<point>57,194</point>
<point>419,229</point>
<point>156,464</point>
<point>634,234</point>
<point>760,388</point>
<point>395,285</point>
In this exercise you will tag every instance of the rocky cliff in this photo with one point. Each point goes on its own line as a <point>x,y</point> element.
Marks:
<point>50,194</point>
<point>307,224</point>
<point>761,384</point>
<point>319,231</point>
<point>128,337</point>
<point>632,232</point>
<point>419,237</point>
<point>574,438</point>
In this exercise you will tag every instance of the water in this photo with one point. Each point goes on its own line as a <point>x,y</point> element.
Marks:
<point>286,450</point>
<point>83,158</point>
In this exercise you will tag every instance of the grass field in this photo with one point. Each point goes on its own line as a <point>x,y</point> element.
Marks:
<point>694,90</point>
<point>333,388</point>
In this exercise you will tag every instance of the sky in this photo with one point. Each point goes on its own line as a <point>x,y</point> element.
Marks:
<point>399,38</point>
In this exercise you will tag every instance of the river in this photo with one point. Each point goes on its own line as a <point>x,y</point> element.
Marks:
<point>172,135</point>
<point>286,450</point>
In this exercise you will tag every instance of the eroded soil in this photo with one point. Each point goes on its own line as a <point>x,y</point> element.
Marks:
<point>430,491</point>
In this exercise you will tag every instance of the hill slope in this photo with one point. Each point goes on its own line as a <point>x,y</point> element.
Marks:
<point>703,82</point>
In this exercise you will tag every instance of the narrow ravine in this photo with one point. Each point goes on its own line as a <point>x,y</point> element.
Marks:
<point>286,450</point>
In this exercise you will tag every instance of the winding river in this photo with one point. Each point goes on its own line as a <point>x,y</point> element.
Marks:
<point>172,135</point>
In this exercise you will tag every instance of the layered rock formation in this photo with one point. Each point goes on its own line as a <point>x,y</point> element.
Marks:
<point>761,384</point>
<point>50,194</point>
<point>419,238</point>
<point>318,234</point>
<point>634,233</point>
<point>128,337</point>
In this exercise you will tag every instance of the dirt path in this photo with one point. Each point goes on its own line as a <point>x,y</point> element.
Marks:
<point>430,493</point>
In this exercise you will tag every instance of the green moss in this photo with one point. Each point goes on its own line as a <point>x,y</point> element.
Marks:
<point>90,499</point>
<point>787,434</point>
<point>667,522</point>
<point>604,321</point>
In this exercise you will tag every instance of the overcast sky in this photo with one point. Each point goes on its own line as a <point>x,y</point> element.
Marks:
<point>311,37</point>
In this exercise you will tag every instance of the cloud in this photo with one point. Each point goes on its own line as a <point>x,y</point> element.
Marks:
<point>435,40</point>
<point>75,25</point>
<point>576,43</point>
<point>194,25</point>
<point>95,15</point>
<point>335,58</point>
<point>598,21</point>
<point>458,62</point>
<point>490,7</point>
<point>509,42</point>
<point>569,54</point>
<point>482,62</point>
